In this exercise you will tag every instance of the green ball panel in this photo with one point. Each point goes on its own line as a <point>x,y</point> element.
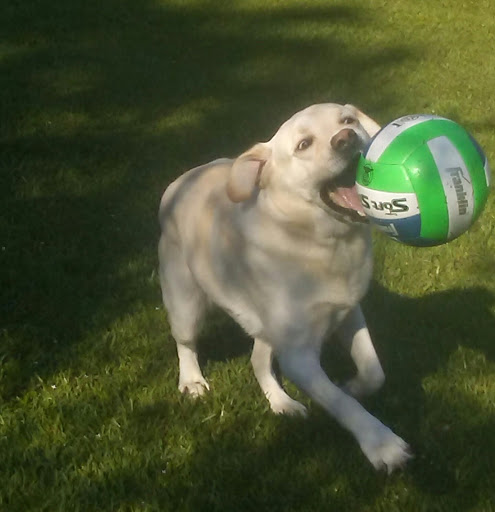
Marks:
<point>423,174</point>
<point>401,148</point>
<point>383,177</point>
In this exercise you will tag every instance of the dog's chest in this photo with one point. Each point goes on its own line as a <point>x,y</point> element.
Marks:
<point>340,276</point>
<point>337,272</point>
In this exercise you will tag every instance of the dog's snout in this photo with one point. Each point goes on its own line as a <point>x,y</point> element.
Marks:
<point>344,139</point>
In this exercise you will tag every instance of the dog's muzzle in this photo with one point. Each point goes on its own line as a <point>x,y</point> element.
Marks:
<point>340,194</point>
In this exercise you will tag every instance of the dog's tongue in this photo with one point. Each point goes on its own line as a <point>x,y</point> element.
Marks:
<point>347,197</point>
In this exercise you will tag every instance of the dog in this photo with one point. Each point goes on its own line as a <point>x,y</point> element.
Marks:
<point>277,237</point>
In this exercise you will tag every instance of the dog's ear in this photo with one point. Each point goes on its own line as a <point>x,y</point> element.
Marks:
<point>371,127</point>
<point>248,173</point>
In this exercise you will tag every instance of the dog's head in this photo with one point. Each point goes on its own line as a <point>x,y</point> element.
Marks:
<point>313,156</point>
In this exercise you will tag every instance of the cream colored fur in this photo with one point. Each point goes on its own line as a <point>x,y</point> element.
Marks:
<point>254,236</point>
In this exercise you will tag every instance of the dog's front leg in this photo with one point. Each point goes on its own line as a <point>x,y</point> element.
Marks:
<point>280,401</point>
<point>355,337</point>
<point>385,450</point>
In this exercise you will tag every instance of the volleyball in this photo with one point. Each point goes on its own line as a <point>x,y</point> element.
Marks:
<point>423,180</point>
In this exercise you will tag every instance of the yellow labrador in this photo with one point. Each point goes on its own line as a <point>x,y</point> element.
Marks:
<point>277,238</point>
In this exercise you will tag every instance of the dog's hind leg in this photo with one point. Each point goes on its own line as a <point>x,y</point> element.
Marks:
<point>185,302</point>
<point>355,337</point>
<point>262,361</point>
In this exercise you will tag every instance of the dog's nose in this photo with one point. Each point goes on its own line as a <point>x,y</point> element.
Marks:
<point>343,140</point>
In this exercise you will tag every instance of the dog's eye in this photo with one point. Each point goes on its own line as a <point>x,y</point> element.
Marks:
<point>304,144</point>
<point>348,120</point>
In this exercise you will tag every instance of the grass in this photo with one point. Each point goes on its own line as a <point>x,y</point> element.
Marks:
<point>102,105</point>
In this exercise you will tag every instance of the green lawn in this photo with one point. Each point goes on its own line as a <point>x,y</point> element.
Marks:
<point>102,104</point>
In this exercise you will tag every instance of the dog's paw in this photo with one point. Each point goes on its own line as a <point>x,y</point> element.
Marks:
<point>194,389</point>
<point>284,404</point>
<point>386,451</point>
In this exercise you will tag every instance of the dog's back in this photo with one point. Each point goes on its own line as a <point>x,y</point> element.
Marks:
<point>186,196</point>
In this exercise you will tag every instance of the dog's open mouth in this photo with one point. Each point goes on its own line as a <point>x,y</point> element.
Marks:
<point>341,195</point>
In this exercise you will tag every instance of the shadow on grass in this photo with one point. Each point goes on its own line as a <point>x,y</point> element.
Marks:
<point>236,455</point>
<point>102,106</point>
<point>243,458</point>
<point>436,351</point>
